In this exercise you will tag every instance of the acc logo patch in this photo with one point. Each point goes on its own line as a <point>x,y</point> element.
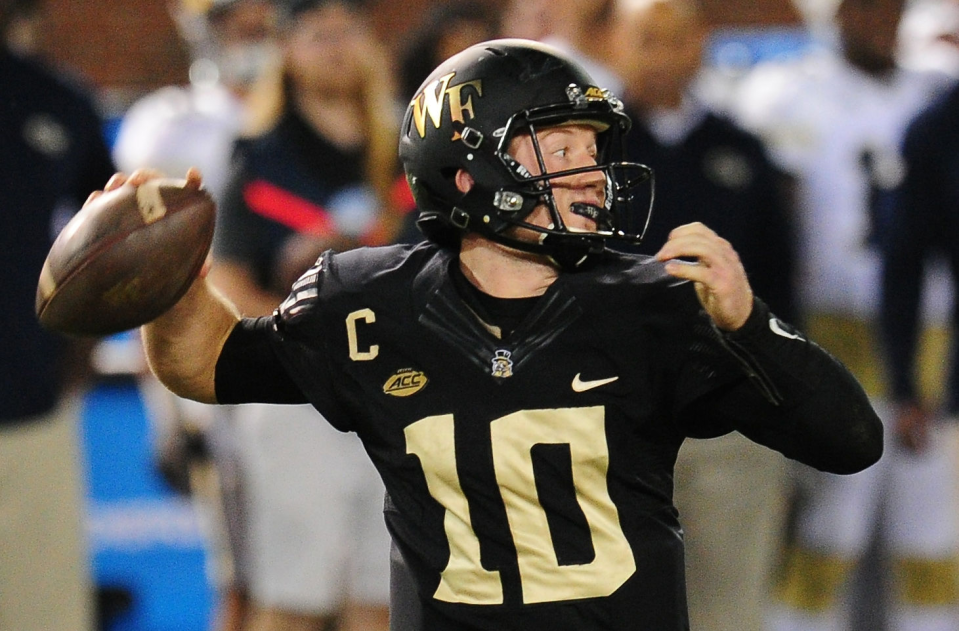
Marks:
<point>405,382</point>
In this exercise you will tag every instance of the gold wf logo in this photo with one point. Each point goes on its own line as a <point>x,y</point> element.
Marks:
<point>431,101</point>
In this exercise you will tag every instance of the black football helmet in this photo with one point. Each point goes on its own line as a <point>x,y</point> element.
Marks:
<point>464,116</point>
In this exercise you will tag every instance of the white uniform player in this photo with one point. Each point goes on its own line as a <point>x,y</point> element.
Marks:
<point>838,129</point>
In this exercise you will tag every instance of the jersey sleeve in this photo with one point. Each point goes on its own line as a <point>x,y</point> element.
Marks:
<point>301,336</point>
<point>795,398</point>
<point>284,358</point>
<point>249,370</point>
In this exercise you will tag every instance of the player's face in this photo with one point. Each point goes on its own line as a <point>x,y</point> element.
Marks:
<point>564,147</point>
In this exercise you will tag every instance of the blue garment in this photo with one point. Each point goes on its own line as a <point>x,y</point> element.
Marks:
<point>52,155</point>
<point>925,221</point>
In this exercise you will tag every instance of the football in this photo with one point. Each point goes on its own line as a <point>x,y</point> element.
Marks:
<point>125,258</point>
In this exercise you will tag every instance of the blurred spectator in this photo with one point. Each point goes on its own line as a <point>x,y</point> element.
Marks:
<point>577,27</point>
<point>314,173</point>
<point>177,127</point>
<point>446,29</point>
<point>231,43</point>
<point>52,154</point>
<point>729,491</point>
<point>835,120</point>
<point>21,26</point>
<point>923,227</point>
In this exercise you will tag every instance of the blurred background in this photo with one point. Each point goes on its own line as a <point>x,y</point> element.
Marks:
<point>148,549</point>
<point>127,48</point>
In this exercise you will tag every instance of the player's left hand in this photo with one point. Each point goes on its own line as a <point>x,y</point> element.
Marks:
<point>717,272</point>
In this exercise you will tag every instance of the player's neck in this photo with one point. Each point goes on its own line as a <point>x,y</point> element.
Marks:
<point>502,271</point>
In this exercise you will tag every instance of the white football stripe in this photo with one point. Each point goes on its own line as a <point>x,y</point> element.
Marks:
<point>150,202</point>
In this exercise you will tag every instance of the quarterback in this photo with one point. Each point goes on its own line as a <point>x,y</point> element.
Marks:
<point>522,390</point>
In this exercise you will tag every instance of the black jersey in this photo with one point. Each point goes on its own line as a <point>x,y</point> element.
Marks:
<point>530,478</point>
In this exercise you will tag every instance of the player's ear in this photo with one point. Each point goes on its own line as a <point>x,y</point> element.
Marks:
<point>464,181</point>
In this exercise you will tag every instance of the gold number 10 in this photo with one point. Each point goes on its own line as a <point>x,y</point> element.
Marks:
<point>465,580</point>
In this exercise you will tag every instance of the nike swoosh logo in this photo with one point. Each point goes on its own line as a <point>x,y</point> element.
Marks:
<point>778,330</point>
<point>582,386</point>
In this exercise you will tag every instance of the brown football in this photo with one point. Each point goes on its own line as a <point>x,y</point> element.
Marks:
<point>125,258</point>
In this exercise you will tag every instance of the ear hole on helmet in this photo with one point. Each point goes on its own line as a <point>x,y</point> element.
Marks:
<point>464,181</point>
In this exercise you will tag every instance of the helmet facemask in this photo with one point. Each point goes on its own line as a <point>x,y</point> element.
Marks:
<point>505,192</point>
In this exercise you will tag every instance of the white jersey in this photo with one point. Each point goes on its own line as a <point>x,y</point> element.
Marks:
<point>838,131</point>
<point>175,128</point>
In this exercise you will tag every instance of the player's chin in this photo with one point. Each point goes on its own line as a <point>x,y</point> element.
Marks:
<point>578,225</point>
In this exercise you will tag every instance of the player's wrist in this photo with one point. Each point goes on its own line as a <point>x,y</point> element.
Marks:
<point>754,324</point>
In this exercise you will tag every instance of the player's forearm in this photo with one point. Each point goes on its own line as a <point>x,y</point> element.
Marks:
<point>835,431</point>
<point>820,415</point>
<point>183,345</point>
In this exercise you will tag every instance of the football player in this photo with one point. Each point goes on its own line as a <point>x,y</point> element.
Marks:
<point>522,390</point>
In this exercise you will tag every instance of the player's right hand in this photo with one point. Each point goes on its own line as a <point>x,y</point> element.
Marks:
<point>138,177</point>
<point>193,177</point>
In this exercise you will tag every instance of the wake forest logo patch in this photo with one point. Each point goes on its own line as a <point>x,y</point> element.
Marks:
<point>502,364</point>
<point>405,382</point>
<point>431,103</point>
